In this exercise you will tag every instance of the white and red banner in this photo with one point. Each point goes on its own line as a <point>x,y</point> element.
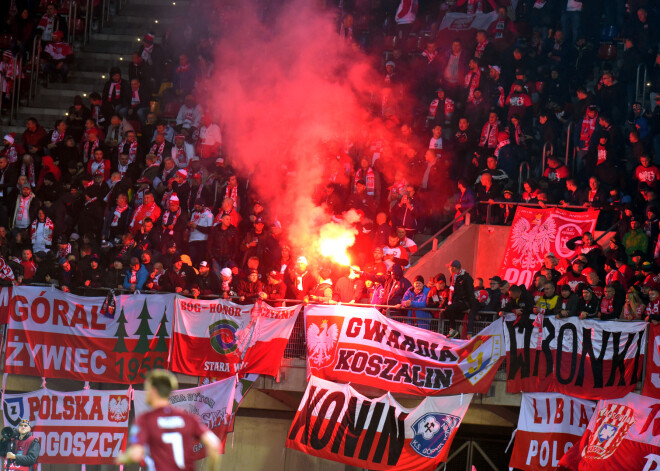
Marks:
<point>548,426</point>
<point>336,422</point>
<point>462,26</point>
<point>58,335</point>
<point>212,403</point>
<point>361,346</point>
<point>79,427</point>
<point>623,434</point>
<point>535,232</point>
<point>652,376</point>
<point>590,359</point>
<point>219,338</point>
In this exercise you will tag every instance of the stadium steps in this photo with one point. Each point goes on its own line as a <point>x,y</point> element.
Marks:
<point>113,46</point>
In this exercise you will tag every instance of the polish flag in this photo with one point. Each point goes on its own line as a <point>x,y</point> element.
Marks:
<point>219,338</point>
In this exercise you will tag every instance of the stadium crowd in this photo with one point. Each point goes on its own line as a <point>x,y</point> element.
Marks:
<point>120,194</point>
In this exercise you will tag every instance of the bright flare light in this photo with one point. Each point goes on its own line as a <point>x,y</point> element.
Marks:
<point>334,241</point>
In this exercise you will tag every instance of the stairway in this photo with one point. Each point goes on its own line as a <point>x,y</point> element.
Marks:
<point>112,46</point>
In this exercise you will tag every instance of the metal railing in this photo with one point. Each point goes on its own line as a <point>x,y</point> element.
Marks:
<point>35,67</point>
<point>641,97</point>
<point>520,174</point>
<point>434,238</point>
<point>16,90</point>
<point>570,150</point>
<point>532,205</point>
<point>545,154</point>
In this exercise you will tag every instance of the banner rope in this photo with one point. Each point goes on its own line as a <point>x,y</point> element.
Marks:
<point>4,384</point>
<point>43,382</point>
<point>86,388</point>
<point>513,435</point>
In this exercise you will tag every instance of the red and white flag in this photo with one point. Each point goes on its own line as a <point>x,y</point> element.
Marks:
<point>548,426</point>
<point>652,377</point>
<point>212,403</point>
<point>219,338</point>
<point>535,232</point>
<point>623,434</point>
<point>337,423</point>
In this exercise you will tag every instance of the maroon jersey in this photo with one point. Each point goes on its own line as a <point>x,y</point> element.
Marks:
<point>168,434</point>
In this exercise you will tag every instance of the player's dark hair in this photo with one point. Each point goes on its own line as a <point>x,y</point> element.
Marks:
<point>163,381</point>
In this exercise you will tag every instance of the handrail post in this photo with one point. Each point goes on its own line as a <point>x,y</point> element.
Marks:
<point>16,89</point>
<point>103,7</point>
<point>71,3</point>
<point>488,213</point>
<point>520,175</point>
<point>74,16</point>
<point>87,22</point>
<point>569,131</point>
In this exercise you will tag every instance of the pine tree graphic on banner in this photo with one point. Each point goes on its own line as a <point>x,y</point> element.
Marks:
<point>121,334</point>
<point>161,345</point>
<point>143,330</point>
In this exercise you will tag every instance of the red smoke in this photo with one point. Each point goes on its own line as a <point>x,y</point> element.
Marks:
<point>289,95</point>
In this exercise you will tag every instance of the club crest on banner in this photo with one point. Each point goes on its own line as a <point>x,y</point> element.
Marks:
<point>431,433</point>
<point>117,408</point>
<point>223,336</point>
<point>612,425</point>
<point>322,342</point>
<point>14,410</point>
<point>484,355</point>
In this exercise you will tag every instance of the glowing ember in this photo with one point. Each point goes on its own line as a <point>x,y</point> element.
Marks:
<point>334,240</point>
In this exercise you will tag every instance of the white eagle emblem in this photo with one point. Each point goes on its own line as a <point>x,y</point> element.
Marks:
<point>320,342</point>
<point>532,240</point>
<point>118,409</point>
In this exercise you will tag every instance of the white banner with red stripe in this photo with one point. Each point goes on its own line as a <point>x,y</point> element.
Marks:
<point>59,335</point>
<point>548,426</point>
<point>212,403</point>
<point>336,422</point>
<point>79,427</point>
<point>362,346</point>
<point>623,434</point>
<point>219,338</point>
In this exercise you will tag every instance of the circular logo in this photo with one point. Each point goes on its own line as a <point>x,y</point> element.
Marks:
<point>223,336</point>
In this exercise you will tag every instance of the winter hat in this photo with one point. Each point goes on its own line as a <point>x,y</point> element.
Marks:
<point>9,138</point>
<point>225,272</point>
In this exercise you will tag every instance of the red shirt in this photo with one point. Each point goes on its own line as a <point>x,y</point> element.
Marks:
<point>170,434</point>
<point>650,175</point>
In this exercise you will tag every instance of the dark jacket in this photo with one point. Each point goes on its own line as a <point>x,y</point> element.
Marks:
<point>29,458</point>
<point>223,244</point>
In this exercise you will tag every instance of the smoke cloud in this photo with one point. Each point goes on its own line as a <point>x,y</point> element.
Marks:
<point>291,95</point>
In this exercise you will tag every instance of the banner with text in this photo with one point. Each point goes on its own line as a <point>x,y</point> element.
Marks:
<point>623,434</point>
<point>535,232</point>
<point>336,422</point>
<point>219,338</point>
<point>361,346</point>
<point>457,25</point>
<point>548,426</point>
<point>59,335</point>
<point>80,427</point>
<point>590,359</point>
<point>652,376</point>
<point>212,403</point>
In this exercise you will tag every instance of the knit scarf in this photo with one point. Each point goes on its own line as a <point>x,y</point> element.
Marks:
<point>472,79</point>
<point>115,88</point>
<point>117,215</point>
<point>602,154</point>
<point>370,179</point>
<point>56,137</point>
<point>489,135</point>
<point>183,68</point>
<point>505,142</point>
<point>481,47</point>
<point>63,252</point>
<point>178,154</point>
<point>135,98</point>
<point>132,149</point>
<point>232,192</point>
<point>587,129</point>
<point>125,248</point>
<point>166,218</point>
<point>91,200</point>
<point>146,53</point>
<point>474,6</point>
<point>23,210</point>
<point>87,152</point>
<point>158,150</point>
<point>28,171</point>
